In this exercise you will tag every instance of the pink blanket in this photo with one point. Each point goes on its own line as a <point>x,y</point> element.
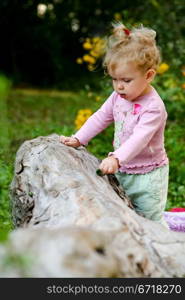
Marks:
<point>175,220</point>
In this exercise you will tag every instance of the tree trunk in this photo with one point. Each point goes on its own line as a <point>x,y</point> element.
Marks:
<point>78,224</point>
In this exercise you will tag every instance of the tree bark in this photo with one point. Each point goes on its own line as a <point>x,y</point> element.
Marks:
<point>85,222</point>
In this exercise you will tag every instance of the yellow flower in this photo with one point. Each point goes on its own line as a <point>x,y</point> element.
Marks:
<point>85,112</point>
<point>94,53</point>
<point>95,49</point>
<point>79,60</point>
<point>95,39</point>
<point>91,67</point>
<point>99,46</point>
<point>89,59</point>
<point>117,16</point>
<point>82,116</point>
<point>87,46</point>
<point>162,68</point>
<point>183,85</point>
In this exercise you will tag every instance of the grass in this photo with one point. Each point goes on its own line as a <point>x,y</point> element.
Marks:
<point>28,113</point>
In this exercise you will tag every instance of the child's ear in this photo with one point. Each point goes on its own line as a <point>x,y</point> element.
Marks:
<point>150,74</point>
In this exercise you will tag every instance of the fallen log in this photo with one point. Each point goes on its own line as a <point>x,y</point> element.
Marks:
<point>78,224</point>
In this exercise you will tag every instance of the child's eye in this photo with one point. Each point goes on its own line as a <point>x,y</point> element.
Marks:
<point>123,80</point>
<point>127,80</point>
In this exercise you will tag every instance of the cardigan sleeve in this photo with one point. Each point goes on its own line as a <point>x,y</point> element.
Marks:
<point>150,121</point>
<point>97,122</point>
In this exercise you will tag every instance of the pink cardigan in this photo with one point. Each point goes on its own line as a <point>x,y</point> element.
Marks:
<point>139,131</point>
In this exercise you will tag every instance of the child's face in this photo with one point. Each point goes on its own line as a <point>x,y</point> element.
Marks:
<point>129,82</point>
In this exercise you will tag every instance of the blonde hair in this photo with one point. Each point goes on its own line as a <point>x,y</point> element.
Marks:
<point>137,46</point>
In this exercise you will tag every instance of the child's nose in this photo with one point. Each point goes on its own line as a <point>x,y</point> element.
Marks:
<point>120,85</point>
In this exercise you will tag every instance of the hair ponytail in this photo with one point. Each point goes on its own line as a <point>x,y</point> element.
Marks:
<point>120,35</point>
<point>137,45</point>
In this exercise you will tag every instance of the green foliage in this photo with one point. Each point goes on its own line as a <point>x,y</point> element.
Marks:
<point>175,149</point>
<point>5,214</point>
<point>5,169</point>
<point>31,113</point>
<point>171,88</point>
<point>19,262</point>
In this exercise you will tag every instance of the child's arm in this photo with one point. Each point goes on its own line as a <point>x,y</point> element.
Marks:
<point>95,124</point>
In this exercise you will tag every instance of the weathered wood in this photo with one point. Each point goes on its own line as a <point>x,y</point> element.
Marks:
<point>56,185</point>
<point>76,225</point>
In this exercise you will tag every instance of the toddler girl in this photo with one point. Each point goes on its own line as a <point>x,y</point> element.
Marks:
<point>139,158</point>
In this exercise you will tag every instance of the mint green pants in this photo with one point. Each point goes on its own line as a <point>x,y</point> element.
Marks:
<point>147,192</point>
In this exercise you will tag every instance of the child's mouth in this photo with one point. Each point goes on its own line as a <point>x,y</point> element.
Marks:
<point>122,95</point>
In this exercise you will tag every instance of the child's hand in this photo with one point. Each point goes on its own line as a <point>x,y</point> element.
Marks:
<point>69,141</point>
<point>109,165</point>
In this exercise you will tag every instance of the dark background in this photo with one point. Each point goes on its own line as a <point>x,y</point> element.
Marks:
<point>42,50</point>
